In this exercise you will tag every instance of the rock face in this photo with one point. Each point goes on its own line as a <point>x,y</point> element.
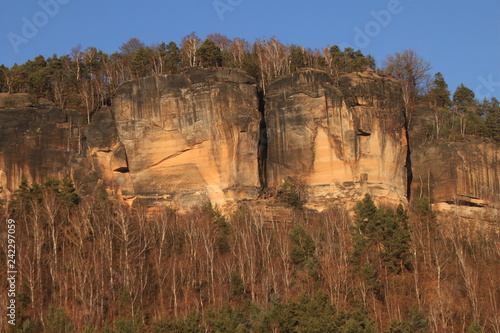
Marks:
<point>36,144</point>
<point>459,177</point>
<point>200,136</point>
<point>337,140</point>
<point>190,137</point>
<point>210,134</point>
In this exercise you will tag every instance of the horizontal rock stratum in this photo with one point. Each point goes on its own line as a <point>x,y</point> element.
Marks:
<point>211,135</point>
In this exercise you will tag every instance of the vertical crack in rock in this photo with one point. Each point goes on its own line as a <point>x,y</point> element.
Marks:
<point>409,172</point>
<point>262,145</point>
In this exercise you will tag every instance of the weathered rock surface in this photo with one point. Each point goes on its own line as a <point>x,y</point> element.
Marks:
<point>338,142</point>
<point>190,137</point>
<point>462,178</point>
<point>36,144</point>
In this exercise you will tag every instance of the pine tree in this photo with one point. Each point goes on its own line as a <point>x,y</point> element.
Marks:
<point>466,106</point>
<point>382,232</point>
<point>475,328</point>
<point>416,323</point>
<point>58,321</point>
<point>439,93</point>
<point>210,55</point>
<point>289,193</point>
<point>303,245</point>
<point>37,78</point>
<point>141,63</point>
<point>365,214</point>
<point>24,190</point>
<point>3,79</point>
<point>297,58</point>
<point>493,119</point>
<point>236,286</point>
<point>173,58</point>
<point>67,193</point>
<point>396,241</point>
<point>463,98</point>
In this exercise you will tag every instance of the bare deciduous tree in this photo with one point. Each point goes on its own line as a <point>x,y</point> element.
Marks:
<point>411,70</point>
<point>189,46</point>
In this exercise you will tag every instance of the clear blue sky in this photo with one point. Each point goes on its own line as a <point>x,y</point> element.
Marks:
<point>460,38</point>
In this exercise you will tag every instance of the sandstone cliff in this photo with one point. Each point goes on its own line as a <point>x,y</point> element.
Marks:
<point>210,134</point>
<point>460,178</point>
<point>337,140</point>
<point>190,137</point>
<point>36,144</point>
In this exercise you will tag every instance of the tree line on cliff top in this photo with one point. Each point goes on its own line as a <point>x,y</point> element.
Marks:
<point>86,79</point>
<point>92,265</point>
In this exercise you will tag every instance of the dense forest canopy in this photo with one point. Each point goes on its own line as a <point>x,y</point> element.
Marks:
<point>86,79</point>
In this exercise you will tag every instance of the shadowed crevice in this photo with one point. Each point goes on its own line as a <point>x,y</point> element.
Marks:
<point>409,172</point>
<point>262,146</point>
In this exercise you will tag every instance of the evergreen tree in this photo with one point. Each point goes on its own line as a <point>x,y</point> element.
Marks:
<point>422,206</point>
<point>129,325</point>
<point>416,323</point>
<point>289,193</point>
<point>355,61</point>
<point>370,275</point>
<point>463,99</point>
<point>350,60</point>
<point>493,119</point>
<point>308,314</point>
<point>439,93</point>
<point>24,190</point>
<point>236,286</point>
<point>475,328</point>
<point>190,324</point>
<point>3,79</point>
<point>172,58</point>
<point>60,79</point>
<point>52,185</point>
<point>365,214</point>
<point>469,113</point>
<point>67,192</point>
<point>303,245</point>
<point>141,63</point>
<point>396,241</point>
<point>357,321</point>
<point>382,232</point>
<point>58,321</point>
<point>224,227</point>
<point>338,62</point>
<point>210,55</point>
<point>227,320</point>
<point>37,78</point>
<point>297,58</point>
